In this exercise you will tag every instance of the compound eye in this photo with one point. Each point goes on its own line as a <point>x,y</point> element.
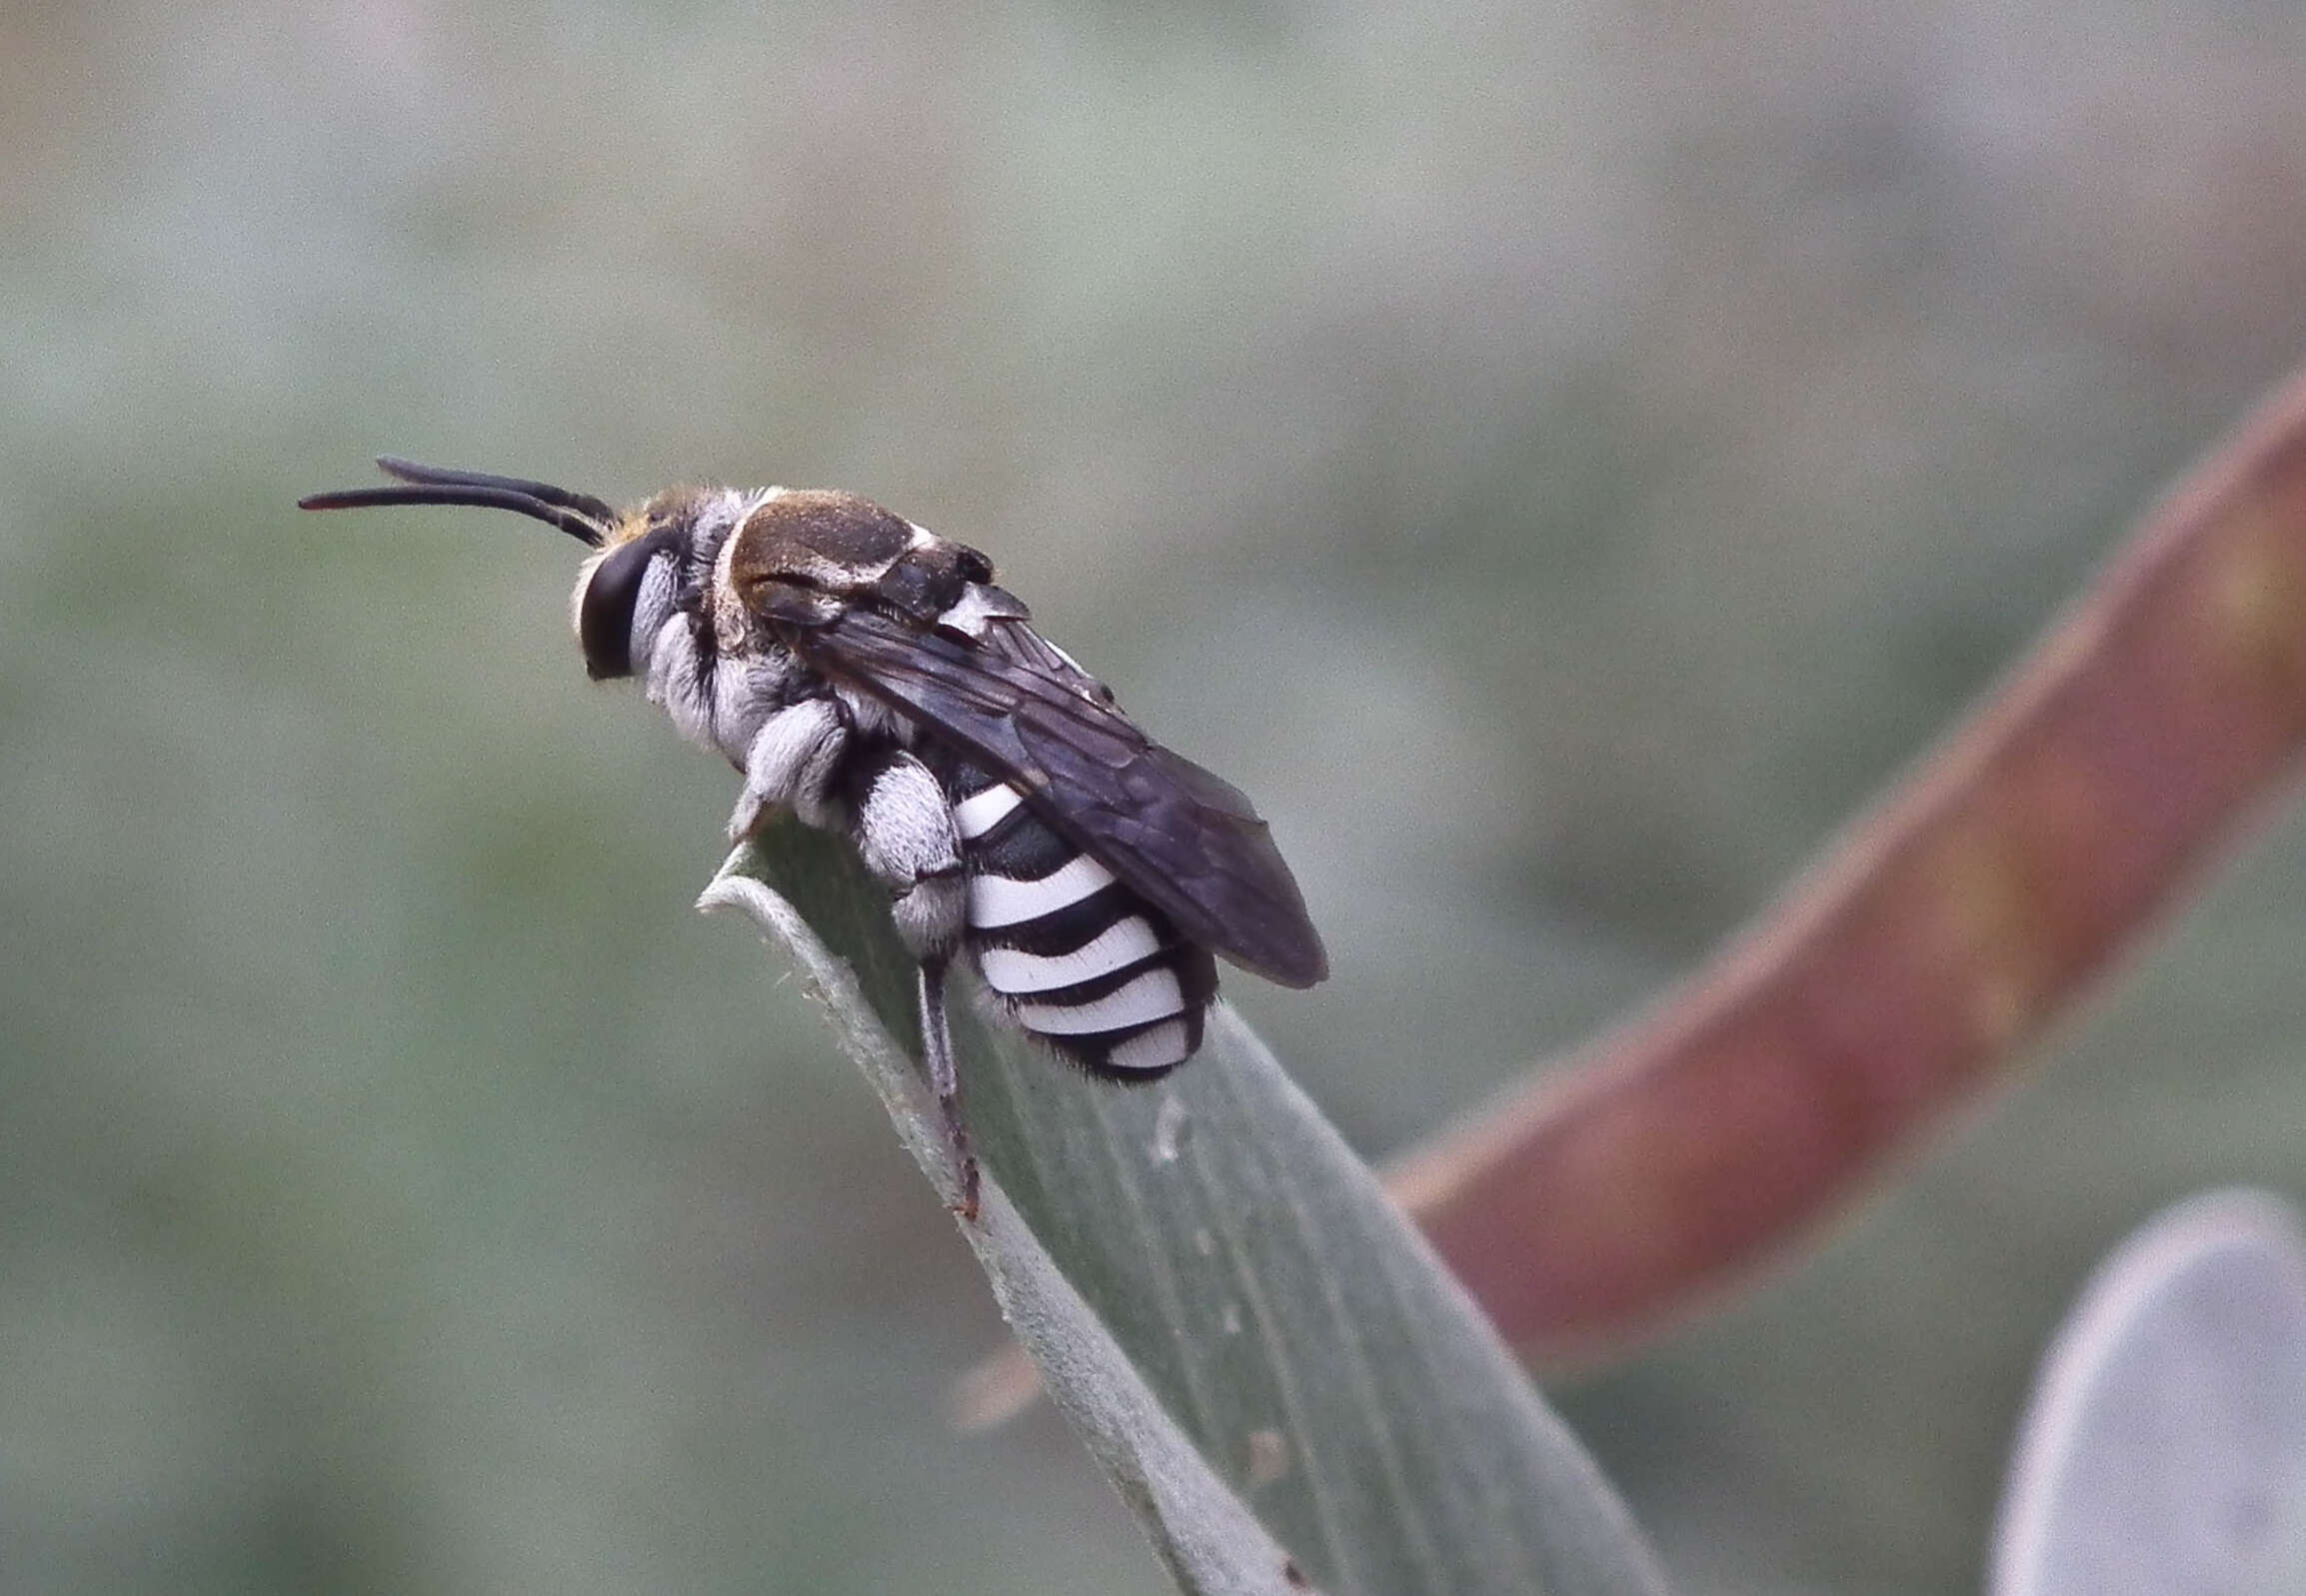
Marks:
<point>604,618</point>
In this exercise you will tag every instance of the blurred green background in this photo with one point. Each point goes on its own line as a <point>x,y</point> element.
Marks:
<point>1560,459</point>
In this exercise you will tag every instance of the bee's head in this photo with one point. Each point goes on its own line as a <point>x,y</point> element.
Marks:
<point>651,564</point>
<point>641,552</point>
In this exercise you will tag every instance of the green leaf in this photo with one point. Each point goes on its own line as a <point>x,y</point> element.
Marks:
<point>1255,1344</point>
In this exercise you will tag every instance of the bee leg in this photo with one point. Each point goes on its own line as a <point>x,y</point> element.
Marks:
<point>906,835</point>
<point>945,1080</point>
<point>793,763</point>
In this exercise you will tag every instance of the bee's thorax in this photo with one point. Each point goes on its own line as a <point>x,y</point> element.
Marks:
<point>802,554</point>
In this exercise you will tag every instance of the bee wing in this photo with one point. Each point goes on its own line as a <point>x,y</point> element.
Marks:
<point>1187,841</point>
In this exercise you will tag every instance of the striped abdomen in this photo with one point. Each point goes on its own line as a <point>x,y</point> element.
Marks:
<point>1077,958</point>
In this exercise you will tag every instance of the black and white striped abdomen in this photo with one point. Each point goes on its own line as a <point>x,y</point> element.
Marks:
<point>1076,958</point>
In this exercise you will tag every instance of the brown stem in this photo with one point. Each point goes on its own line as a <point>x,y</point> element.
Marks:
<point>1901,976</point>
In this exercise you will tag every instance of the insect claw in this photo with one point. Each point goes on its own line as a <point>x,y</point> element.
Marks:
<point>945,1080</point>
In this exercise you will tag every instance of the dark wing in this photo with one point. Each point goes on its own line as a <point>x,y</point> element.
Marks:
<point>1188,842</point>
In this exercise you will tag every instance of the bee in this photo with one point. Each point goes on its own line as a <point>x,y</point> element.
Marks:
<point>871,679</point>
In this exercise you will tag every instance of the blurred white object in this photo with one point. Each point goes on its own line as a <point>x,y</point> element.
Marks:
<point>2164,1451</point>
